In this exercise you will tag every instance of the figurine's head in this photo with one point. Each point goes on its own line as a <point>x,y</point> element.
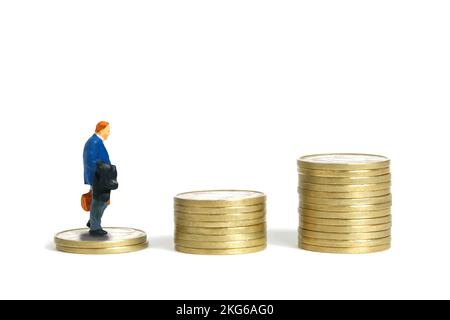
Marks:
<point>103,129</point>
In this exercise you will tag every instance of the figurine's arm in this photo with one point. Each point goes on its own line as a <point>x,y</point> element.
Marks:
<point>92,158</point>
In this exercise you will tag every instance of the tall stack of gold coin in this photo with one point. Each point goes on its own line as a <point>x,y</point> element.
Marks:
<point>220,222</point>
<point>345,203</point>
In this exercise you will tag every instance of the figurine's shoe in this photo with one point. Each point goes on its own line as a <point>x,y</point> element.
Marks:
<point>88,224</point>
<point>98,233</point>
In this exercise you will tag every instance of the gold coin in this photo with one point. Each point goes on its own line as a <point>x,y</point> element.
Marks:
<point>221,231</point>
<point>220,210</point>
<point>344,188</point>
<point>220,198</point>
<point>116,237</point>
<point>344,215</point>
<point>345,181</point>
<point>345,243</point>
<point>220,217</point>
<point>344,195</point>
<point>220,251</point>
<point>222,244</point>
<point>344,174</point>
<point>347,202</point>
<point>345,229</point>
<point>112,250</point>
<point>344,236</point>
<point>355,250</point>
<point>231,237</point>
<point>216,224</point>
<point>344,161</point>
<point>346,222</point>
<point>355,208</point>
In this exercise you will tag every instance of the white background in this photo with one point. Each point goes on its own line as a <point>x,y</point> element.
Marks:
<point>220,94</point>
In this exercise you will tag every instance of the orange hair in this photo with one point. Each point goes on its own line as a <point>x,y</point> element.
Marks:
<point>101,125</point>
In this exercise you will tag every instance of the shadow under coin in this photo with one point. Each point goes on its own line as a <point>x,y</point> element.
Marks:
<point>50,246</point>
<point>161,242</point>
<point>283,238</point>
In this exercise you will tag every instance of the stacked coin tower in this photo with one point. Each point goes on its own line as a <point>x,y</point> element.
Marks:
<point>118,240</point>
<point>220,222</point>
<point>345,203</point>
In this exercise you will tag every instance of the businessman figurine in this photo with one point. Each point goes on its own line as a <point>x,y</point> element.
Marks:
<point>100,175</point>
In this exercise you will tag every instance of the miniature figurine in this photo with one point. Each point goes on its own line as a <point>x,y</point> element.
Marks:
<point>100,175</point>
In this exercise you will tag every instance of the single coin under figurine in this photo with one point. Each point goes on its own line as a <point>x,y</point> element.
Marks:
<point>117,240</point>
<point>101,176</point>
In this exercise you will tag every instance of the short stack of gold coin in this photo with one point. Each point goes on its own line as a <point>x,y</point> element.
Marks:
<point>345,203</point>
<point>220,222</point>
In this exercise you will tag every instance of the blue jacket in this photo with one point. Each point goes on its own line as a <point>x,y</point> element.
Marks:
<point>94,150</point>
